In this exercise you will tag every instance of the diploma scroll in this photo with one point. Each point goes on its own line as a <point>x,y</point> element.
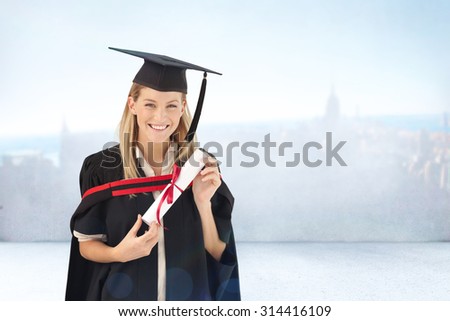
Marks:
<point>186,175</point>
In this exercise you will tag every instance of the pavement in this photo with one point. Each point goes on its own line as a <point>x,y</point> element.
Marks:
<point>270,271</point>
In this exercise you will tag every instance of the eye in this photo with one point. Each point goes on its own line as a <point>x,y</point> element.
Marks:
<point>150,105</point>
<point>172,106</point>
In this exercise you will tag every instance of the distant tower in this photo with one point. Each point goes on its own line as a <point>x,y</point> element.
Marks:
<point>64,127</point>
<point>64,144</point>
<point>332,111</point>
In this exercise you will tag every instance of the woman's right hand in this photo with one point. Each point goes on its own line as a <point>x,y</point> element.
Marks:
<point>133,247</point>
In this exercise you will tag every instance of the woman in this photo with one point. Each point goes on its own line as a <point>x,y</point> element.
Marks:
<point>114,255</point>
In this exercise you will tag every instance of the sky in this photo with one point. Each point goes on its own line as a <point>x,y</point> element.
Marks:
<point>279,59</point>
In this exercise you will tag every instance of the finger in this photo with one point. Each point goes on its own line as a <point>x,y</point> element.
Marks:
<point>154,226</point>
<point>137,225</point>
<point>209,170</point>
<point>151,232</point>
<point>149,237</point>
<point>209,176</point>
<point>210,162</point>
<point>213,178</point>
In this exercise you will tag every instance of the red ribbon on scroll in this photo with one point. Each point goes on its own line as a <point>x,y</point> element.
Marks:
<point>168,193</point>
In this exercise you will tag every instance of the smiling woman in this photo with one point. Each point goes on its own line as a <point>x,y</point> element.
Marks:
<point>192,254</point>
<point>159,113</point>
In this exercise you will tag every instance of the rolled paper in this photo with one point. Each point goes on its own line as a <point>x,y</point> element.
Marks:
<point>181,179</point>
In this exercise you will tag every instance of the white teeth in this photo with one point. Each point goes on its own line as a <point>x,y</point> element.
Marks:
<point>158,127</point>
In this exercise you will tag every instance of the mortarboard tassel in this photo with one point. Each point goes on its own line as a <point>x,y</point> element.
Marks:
<point>198,111</point>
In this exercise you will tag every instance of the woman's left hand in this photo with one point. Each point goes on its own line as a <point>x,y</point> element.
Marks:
<point>206,183</point>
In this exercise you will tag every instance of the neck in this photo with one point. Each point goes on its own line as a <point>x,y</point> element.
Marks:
<point>154,153</point>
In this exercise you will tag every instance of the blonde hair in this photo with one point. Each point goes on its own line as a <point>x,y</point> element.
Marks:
<point>128,136</point>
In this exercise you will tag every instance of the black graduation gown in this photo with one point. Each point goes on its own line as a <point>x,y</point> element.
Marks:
<point>191,272</point>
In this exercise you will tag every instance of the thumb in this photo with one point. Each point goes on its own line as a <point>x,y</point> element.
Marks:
<point>134,230</point>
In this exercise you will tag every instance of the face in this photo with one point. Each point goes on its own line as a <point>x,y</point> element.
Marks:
<point>158,114</point>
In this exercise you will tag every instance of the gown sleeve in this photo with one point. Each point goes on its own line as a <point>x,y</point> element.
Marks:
<point>222,206</point>
<point>89,176</point>
<point>91,222</point>
<point>223,274</point>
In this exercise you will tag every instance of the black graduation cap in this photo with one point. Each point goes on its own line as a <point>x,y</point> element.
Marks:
<point>164,73</point>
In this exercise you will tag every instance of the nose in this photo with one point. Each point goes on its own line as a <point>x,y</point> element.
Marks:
<point>160,114</point>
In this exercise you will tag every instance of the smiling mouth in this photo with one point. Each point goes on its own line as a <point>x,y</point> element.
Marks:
<point>158,127</point>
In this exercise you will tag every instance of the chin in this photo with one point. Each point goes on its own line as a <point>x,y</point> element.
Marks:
<point>158,137</point>
<point>157,140</point>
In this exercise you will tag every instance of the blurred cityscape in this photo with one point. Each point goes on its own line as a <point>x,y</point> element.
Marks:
<point>395,187</point>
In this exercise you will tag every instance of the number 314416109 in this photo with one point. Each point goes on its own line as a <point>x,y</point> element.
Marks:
<point>295,311</point>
